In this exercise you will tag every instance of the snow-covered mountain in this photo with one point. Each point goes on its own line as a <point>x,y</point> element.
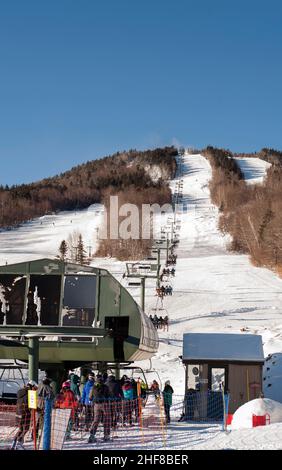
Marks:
<point>213,290</point>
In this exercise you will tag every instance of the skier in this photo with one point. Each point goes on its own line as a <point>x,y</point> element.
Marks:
<point>128,395</point>
<point>44,391</point>
<point>166,323</point>
<point>23,414</point>
<point>74,386</point>
<point>155,388</point>
<point>85,400</point>
<point>167,396</point>
<point>66,400</point>
<point>99,396</point>
<point>115,396</point>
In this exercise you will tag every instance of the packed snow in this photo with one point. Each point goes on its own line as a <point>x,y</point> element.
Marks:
<point>243,416</point>
<point>213,291</point>
<point>253,169</point>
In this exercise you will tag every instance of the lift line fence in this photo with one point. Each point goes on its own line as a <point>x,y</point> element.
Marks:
<point>138,423</point>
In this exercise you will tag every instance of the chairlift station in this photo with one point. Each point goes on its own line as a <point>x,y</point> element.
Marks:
<point>77,314</point>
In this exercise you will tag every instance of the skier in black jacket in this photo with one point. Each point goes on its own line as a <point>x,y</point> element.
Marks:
<point>99,395</point>
<point>115,396</point>
<point>23,413</point>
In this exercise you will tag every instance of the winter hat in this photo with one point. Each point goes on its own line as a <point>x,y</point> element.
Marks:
<point>167,382</point>
<point>75,379</point>
<point>32,383</point>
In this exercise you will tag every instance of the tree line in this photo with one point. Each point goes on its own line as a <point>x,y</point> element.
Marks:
<point>251,214</point>
<point>83,185</point>
<point>138,193</point>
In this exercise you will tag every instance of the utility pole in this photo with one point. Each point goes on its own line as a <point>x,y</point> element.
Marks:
<point>159,267</point>
<point>33,358</point>
<point>143,279</point>
<point>167,246</point>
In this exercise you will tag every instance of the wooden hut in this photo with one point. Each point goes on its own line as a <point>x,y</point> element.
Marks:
<point>217,363</point>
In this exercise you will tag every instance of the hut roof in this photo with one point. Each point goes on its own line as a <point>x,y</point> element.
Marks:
<point>222,347</point>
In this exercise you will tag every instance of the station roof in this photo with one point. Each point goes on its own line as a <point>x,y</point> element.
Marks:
<point>208,347</point>
<point>47,266</point>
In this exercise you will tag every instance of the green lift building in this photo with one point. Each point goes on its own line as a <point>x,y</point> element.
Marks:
<point>57,314</point>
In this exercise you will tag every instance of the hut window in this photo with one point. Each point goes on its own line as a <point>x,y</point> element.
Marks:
<point>79,300</point>
<point>43,302</point>
<point>12,294</point>
<point>193,376</point>
<point>218,378</point>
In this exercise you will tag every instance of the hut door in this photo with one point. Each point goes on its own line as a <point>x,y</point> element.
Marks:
<point>217,380</point>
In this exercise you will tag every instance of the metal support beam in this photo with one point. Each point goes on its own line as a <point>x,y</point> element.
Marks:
<point>159,267</point>
<point>33,358</point>
<point>167,248</point>
<point>143,279</point>
<point>97,306</point>
<point>117,371</point>
<point>34,330</point>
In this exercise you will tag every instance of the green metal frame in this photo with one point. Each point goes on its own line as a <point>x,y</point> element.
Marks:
<point>112,300</point>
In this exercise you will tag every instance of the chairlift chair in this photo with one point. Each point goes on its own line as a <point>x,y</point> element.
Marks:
<point>10,383</point>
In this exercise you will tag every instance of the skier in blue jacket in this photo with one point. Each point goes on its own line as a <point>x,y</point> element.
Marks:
<point>86,402</point>
<point>128,401</point>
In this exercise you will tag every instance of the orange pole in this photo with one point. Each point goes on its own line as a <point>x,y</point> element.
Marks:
<point>139,401</point>
<point>140,406</point>
<point>34,427</point>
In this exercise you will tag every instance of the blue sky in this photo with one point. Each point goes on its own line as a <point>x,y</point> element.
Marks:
<point>80,79</point>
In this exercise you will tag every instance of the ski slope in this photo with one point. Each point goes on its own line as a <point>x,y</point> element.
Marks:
<point>213,291</point>
<point>41,237</point>
<point>253,169</point>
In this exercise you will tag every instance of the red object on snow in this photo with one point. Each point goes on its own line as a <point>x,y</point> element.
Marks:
<point>229,418</point>
<point>261,420</point>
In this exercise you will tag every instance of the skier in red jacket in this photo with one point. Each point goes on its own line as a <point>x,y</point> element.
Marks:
<point>66,400</point>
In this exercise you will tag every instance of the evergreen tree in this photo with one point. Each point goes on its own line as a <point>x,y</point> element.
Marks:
<point>63,249</point>
<point>81,252</point>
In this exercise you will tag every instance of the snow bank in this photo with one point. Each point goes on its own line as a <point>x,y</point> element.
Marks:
<point>243,416</point>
